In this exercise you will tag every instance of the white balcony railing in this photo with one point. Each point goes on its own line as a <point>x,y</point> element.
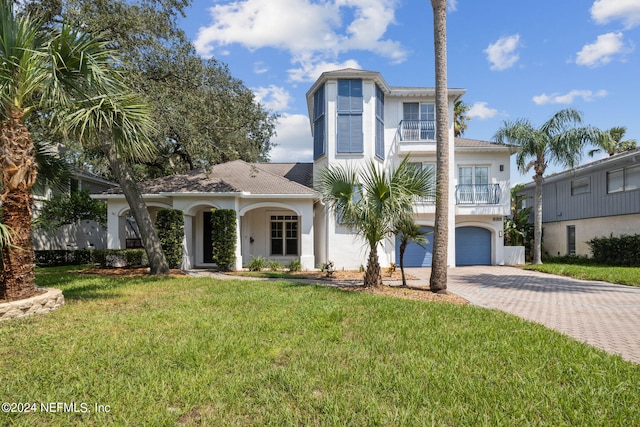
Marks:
<point>478,194</point>
<point>417,130</point>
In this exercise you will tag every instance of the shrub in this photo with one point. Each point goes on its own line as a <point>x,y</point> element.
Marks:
<point>295,265</point>
<point>257,264</point>
<point>120,257</point>
<point>54,257</point>
<point>223,237</point>
<point>170,227</point>
<point>275,265</point>
<point>621,250</point>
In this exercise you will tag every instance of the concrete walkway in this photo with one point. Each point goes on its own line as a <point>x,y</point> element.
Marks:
<point>604,315</point>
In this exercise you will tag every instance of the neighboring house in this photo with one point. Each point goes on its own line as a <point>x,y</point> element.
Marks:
<point>85,235</point>
<point>595,200</point>
<point>355,117</point>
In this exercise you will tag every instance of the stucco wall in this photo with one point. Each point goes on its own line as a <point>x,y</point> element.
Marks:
<point>555,233</point>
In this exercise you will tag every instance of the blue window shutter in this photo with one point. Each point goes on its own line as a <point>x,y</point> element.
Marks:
<point>344,95</point>
<point>356,96</point>
<point>357,145</point>
<point>344,133</point>
<point>319,144</point>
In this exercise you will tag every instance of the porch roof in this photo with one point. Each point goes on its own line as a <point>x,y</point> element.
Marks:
<point>237,176</point>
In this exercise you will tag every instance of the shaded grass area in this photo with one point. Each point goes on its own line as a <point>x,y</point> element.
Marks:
<point>186,351</point>
<point>587,271</point>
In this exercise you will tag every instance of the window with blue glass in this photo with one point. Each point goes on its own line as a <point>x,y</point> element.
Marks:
<point>319,143</point>
<point>379,123</point>
<point>350,139</point>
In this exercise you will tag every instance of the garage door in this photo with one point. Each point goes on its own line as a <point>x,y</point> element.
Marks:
<point>473,246</point>
<point>414,255</point>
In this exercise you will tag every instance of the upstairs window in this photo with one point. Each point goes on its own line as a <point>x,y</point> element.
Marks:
<point>350,106</point>
<point>319,143</point>
<point>626,179</point>
<point>418,121</point>
<point>379,123</point>
<point>580,186</point>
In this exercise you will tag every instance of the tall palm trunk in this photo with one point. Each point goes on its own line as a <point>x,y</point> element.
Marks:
<point>438,281</point>
<point>150,240</point>
<point>403,248</point>
<point>537,220</point>
<point>372,276</point>
<point>19,171</point>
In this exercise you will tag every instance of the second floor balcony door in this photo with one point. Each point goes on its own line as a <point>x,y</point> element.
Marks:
<point>418,121</point>
<point>473,184</point>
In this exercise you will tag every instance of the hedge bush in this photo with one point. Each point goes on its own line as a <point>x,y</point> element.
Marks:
<point>621,250</point>
<point>103,257</point>
<point>170,227</point>
<point>223,237</point>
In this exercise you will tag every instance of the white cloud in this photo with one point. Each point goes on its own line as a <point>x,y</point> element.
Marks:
<point>627,11</point>
<point>310,68</point>
<point>602,50</point>
<point>273,98</point>
<point>481,111</point>
<point>502,54</point>
<point>452,5</point>
<point>568,98</point>
<point>320,28</point>
<point>293,140</point>
<point>260,67</point>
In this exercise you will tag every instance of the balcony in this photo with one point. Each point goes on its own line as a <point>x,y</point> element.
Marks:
<point>478,194</point>
<point>417,131</point>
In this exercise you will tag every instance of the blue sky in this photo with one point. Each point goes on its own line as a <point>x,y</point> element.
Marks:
<point>517,59</point>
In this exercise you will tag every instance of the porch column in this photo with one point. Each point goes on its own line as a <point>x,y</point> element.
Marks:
<point>238,265</point>
<point>307,257</point>
<point>113,223</point>
<point>188,251</point>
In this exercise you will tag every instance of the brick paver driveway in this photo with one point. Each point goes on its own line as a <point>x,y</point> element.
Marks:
<point>604,315</point>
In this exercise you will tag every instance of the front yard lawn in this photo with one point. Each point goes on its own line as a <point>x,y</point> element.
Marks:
<point>620,275</point>
<point>198,351</point>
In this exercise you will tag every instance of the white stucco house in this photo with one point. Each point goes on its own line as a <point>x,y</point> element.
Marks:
<point>354,116</point>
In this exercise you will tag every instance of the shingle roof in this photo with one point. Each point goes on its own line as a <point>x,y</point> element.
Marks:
<point>479,144</point>
<point>236,176</point>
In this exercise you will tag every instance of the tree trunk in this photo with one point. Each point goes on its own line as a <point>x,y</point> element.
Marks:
<point>537,221</point>
<point>438,281</point>
<point>403,247</point>
<point>372,275</point>
<point>120,168</point>
<point>19,171</point>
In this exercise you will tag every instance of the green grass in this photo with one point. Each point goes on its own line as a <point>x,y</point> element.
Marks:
<point>620,275</point>
<point>187,351</point>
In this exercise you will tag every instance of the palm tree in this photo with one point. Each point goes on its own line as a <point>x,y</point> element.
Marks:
<point>438,281</point>
<point>408,231</point>
<point>371,202</point>
<point>558,141</point>
<point>612,143</point>
<point>70,76</point>
<point>460,117</point>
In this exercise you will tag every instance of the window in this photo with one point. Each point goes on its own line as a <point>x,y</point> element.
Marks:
<point>284,235</point>
<point>356,196</point>
<point>350,102</point>
<point>632,178</point>
<point>379,123</point>
<point>319,143</point>
<point>473,184</point>
<point>626,179</point>
<point>571,240</point>
<point>580,186</point>
<point>418,121</point>
<point>431,167</point>
<point>615,181</point>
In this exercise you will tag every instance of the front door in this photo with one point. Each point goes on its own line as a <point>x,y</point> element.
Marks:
<point>207,243</point>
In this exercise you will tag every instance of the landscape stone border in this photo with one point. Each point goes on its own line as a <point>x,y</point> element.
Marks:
<point>45,302</point>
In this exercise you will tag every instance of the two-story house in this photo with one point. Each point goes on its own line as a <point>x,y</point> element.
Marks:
<point>594,200</point>
<point>355,116</point>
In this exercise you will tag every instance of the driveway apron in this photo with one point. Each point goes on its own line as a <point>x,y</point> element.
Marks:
<point>601,314</point>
